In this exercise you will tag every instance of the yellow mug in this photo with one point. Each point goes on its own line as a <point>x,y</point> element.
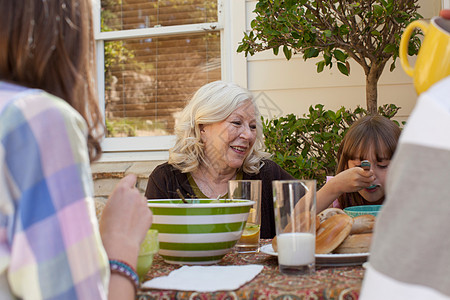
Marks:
<point>433,60</point>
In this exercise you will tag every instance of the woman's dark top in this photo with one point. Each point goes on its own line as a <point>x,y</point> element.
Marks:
<point>165,180</point>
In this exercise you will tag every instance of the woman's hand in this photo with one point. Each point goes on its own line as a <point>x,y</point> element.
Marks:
<point>125,221</point>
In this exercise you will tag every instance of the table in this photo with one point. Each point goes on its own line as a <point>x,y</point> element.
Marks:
<point>326,283</point>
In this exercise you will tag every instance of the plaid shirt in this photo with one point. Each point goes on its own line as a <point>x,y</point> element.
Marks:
<point>50,246</point>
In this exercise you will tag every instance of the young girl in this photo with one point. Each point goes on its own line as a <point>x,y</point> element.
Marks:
<point>372,138</point>
<point>51,244</point>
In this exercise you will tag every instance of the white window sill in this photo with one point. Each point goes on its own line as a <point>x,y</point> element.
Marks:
<point>137,149</point>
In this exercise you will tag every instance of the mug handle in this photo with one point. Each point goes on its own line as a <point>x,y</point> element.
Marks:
<point>403,50</point>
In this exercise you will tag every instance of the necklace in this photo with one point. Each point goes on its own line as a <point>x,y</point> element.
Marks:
<point>208,186</point>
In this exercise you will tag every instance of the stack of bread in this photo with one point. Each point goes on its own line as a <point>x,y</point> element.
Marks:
<point>337,232</point>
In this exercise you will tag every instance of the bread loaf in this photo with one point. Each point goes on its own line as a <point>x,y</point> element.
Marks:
<point>274,244</point>
<point>336,232</point>
<point>327,213</point>
<point>332,233</point>
<point>355,243</point>
<point>363,224</point>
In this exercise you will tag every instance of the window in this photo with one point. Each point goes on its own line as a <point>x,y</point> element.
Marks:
<point>152,55</point>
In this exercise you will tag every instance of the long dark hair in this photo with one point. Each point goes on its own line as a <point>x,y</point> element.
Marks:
<point>49,45</point>
<point>370,132</point>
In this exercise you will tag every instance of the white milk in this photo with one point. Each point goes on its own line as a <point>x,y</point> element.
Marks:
<point>296,248</point>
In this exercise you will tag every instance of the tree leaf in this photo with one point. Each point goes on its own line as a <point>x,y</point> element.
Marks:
<point>390,48</point>
<point>343,30</point>
<point>311,52</point>
<point>342,68</point>
<point>377,10</point>
<point>276,50</point>
<point>375,32</point>
<point>392,67</point>
<point>327,59</point>
<point>296,35</point>
<point>339,55</point>
<point>320,66</point>
<point>287,52</point>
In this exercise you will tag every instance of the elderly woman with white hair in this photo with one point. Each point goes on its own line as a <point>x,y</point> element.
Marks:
<point>218,138</point>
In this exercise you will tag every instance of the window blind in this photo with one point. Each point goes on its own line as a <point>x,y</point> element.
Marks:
<point>148,80</point>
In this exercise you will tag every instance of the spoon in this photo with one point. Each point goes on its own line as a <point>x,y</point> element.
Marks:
<point>365,164</point>
<point>181,196</point>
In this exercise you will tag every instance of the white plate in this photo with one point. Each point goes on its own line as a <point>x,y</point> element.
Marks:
<point>350,259</point>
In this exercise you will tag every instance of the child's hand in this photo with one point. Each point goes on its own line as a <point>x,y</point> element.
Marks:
<point>125,221</point>
<point>348,181</point>
<point>354,179</point>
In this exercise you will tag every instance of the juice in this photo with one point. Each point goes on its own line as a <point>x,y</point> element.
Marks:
<point>143,265</point>
<point>149,247</point>
<point>249,241</point>
<point>250,235</point>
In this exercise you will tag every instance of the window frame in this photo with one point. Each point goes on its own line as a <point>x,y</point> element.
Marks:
<point>230,24</point>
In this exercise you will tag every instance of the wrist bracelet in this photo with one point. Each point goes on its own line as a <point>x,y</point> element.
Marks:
<point>124,269</point>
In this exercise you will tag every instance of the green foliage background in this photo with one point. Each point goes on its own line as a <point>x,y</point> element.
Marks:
<point>307,146</point>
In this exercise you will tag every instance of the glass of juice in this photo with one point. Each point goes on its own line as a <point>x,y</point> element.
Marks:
<point>249,190</point>
<point>149,247</point>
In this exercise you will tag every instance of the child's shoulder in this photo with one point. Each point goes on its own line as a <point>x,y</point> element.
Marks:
<point>336,204</point>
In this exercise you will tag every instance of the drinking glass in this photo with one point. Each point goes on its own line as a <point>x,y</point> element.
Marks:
<point>295,217</point>
<point>149,247</point>
<point>249,190</point>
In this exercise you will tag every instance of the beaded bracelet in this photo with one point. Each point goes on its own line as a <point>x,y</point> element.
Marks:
<point>124,269</point>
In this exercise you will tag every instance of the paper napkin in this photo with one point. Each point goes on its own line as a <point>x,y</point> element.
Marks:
<point>205,278</point>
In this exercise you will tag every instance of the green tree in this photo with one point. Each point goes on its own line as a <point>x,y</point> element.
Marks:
<point>367,31</point>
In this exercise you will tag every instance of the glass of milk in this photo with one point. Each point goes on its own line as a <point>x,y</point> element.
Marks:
<point>295,223</point>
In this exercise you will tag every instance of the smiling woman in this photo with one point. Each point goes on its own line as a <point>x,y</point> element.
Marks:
<point>219,138</point>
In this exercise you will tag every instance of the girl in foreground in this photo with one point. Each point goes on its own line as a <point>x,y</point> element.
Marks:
<point>373,138</point>
<point>50,129</point>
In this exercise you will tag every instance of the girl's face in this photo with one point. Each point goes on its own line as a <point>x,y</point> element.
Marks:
<point>379,169</point>
<point>229,142</point>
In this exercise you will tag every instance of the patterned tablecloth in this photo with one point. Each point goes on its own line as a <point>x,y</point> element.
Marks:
<point>326,283</point>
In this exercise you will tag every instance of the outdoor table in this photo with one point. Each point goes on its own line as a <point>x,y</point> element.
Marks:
<point>325,283</point>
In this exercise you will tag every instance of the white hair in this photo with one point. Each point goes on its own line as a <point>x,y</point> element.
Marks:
<point>212,103</point>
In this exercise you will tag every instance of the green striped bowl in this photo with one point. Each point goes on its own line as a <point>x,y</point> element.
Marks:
<point>199,232</point>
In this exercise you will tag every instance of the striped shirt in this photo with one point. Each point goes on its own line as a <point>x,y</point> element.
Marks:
<point>410,253</point>
<point>50,246</point>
